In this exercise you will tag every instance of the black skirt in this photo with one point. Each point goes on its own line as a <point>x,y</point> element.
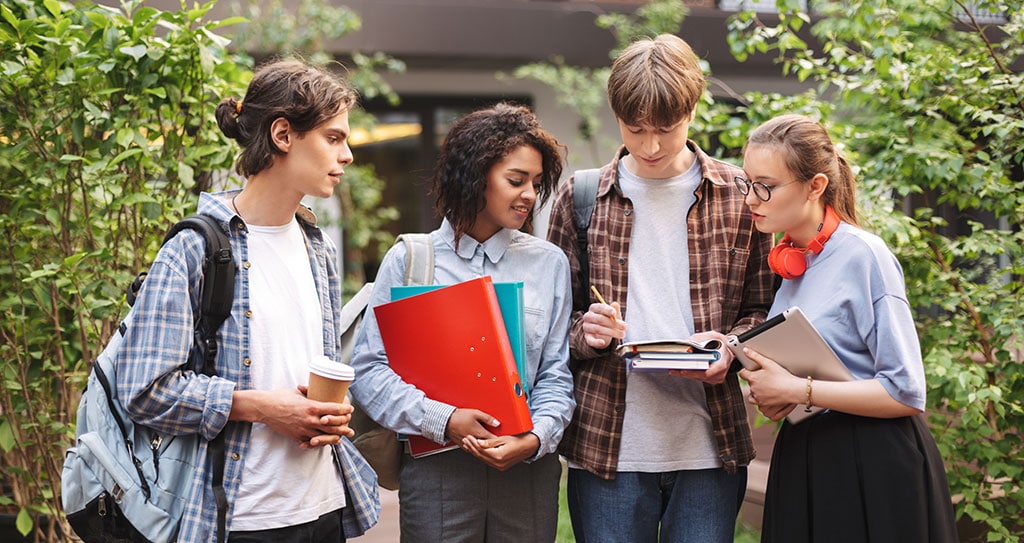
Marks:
<point>838,478</point>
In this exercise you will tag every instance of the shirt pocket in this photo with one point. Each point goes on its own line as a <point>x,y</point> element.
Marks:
<point>728,268</point>
<point>536,330</point>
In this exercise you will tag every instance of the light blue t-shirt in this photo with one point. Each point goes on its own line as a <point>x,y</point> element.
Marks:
<point>854,293</point>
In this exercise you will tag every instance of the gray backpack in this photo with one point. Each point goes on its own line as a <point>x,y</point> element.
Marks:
<point>123,481</point>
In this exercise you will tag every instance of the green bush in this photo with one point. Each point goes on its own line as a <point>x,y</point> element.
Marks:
<point>928,102</point>
<point>107,137</point>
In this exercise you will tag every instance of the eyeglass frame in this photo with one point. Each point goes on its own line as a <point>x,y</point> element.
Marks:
<point>745,185</point>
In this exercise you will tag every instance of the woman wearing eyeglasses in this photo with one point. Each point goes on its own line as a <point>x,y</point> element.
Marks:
<point>866,468</point>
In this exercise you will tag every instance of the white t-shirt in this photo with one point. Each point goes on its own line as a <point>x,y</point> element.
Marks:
<point>282,484</point>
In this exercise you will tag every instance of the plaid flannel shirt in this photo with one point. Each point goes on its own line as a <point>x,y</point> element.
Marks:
<point>730,289</point>
<point>159,395</point>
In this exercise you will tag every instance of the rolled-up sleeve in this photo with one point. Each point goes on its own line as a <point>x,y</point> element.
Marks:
<point>160,391</point>
<point>377,389</point>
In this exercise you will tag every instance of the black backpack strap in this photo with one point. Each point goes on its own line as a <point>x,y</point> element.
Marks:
<point>217,294</point>
<point>216,453</point>
<point>584,196</point>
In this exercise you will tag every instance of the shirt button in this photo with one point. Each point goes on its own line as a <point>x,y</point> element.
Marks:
<point>248,314</point>
<point>622,261</point>
<point>247,361</point>
<point>628,212</point>
<point>732,251</point>
<point>619,409</point>
<point>247,264</point>
<point>236,456</point>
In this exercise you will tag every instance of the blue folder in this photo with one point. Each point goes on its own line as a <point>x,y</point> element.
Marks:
<point>510,298</point>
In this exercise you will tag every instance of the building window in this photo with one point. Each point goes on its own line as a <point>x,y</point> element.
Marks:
<point>404,145</point>
<point>983,15</point>
<point>760,6</point>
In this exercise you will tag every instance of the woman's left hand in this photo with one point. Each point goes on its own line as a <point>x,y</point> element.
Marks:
<point>776,412</point>
<point>773,389</point>
<point>502,452</point>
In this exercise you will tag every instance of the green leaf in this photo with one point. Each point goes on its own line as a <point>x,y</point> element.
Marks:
<point>125,137</point>
<point>12,68</point>
<point>8,15</point>
<point>53,6</point>
<point>186,174</point>
<point>135,51</point>
<point>6,436</point>
<point>98,20</point>
<point>24,522</point>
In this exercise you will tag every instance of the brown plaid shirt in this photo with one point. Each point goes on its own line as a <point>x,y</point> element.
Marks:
<point>730,289</point>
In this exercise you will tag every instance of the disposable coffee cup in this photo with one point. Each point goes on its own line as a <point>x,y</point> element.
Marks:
<point>329,380</point>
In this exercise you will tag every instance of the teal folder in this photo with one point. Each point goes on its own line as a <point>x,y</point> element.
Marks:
<point>510,299</point>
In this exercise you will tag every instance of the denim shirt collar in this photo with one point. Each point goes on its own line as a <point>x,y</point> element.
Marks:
<point>494,247</point>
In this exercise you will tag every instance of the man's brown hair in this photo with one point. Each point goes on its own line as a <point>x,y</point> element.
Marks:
<point>655,81</point>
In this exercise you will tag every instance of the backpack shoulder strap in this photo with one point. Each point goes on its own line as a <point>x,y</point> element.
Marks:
<point>419,259</point>
<point>217,293</point>
<point>218,288</point>
<point>584,197</point>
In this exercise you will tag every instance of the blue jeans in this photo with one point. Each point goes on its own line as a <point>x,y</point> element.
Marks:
<point>698,506</point>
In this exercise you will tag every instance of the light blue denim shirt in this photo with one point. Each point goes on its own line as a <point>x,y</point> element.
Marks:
<point>509,256</point>
<point>159,335</point>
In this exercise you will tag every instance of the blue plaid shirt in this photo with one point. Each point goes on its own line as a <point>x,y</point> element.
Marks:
<point>161,395</point>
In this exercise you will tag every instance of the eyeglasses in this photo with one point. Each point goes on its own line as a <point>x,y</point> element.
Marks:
<point>762,191</point>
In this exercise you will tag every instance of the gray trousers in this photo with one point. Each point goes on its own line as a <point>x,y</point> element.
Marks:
<point>453,497</point>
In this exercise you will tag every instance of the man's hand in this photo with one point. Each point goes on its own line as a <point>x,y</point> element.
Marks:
<point>290,413</point>
<point>602,323</point>
<point>716,372</point>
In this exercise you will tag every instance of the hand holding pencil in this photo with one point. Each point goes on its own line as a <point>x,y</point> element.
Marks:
<point>603,322</point>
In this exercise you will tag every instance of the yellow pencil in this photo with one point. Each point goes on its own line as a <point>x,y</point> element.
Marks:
<point>598,294</point>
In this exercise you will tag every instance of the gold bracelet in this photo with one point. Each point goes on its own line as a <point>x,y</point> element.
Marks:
<point>810,404</point>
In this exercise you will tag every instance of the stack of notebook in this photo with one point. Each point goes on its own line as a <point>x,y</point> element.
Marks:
<point>670,354</point>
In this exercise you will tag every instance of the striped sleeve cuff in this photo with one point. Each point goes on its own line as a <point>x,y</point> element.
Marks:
<point>435,419</point>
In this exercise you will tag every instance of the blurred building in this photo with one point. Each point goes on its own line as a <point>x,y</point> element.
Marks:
<point>459,55</point>
<point>455,49</point>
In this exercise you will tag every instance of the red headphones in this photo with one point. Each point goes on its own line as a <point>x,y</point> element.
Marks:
<point>791,262</point>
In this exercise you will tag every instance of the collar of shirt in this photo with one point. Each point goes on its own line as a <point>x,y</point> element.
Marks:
<point>494,247</point>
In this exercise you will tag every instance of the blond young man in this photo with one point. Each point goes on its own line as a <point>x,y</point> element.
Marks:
<point>674,251</point>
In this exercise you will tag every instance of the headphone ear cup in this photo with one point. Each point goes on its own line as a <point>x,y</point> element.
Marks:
<point>787,261</point>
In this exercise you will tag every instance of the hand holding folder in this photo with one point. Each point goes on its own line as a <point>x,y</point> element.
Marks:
<point>451,343</point>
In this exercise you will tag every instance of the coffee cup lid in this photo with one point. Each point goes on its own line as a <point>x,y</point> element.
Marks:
<point>330,369</point>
